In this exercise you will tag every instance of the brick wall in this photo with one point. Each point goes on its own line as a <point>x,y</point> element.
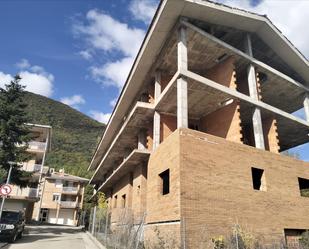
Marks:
<point>224,123</point>
<point>163,207</point>
<point>223,73</point>
<point>217,192</point>
<point>168,124</point>
<point>271,135</point>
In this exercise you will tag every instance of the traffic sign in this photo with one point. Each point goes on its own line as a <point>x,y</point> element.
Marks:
<point>5,189</point>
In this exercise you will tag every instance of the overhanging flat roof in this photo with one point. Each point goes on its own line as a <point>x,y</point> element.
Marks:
<point>167,15</point>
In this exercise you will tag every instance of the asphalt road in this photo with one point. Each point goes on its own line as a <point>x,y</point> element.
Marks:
<point>53,237</point>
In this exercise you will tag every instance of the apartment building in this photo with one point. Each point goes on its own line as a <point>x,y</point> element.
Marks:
<point>39,146</point>
<point>195,138</point>
<point>61,199</point>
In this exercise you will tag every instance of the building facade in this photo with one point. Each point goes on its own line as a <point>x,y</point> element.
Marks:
<point>61,199</point>
<point>193,144</point>
<point>25,198</point>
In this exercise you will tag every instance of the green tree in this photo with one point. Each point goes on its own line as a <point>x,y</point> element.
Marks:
<point>14,134</point>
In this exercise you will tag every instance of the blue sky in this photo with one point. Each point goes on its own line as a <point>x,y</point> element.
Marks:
<point>80,51</point>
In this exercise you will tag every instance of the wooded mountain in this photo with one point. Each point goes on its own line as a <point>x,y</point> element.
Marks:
<point>74,135</point>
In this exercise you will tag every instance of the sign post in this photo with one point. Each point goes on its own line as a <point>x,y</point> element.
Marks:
<point>5,190</point>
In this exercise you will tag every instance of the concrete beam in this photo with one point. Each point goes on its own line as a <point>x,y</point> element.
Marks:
<point>182,103</point>
<point>245,56</point>
<point>157,86</point>
<point>156,130</point>
<point>182,52</point>
<point>306,106</point>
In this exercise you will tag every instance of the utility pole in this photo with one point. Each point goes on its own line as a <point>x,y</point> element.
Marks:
<point>8,179</point>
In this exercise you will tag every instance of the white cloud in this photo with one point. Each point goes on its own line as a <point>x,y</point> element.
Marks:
<point>105,34</point>
<point>85,54</point>
<point>23,64</point>
<point>143,10</point>
<point>73,101</point>
<point>100,116</point>
<point>34,78</point>
<point>113,73</point>
<point>113,102</point>
<point>289,16</point>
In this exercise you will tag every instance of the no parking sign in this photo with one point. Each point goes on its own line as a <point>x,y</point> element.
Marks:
<point>5,189</point>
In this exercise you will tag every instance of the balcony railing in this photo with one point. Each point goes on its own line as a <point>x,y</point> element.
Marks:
<point>32,167</point>
<point>68,204</point>
<point>37,167</point>
<point>32,192</point>
<point>34,145</point>
<point>70,189</point>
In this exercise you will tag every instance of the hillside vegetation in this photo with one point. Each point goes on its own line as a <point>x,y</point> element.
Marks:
<point>74,135</point>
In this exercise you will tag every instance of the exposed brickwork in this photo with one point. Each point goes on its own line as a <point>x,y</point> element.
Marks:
<point>216,189</point>
<point>163,207</point>
<point>224,123</point>
<point>167,126</point>
<point>223,73</point>
<point>271,135</point>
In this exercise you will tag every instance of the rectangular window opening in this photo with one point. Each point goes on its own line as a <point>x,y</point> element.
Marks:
<point>115,201</point>
<point>258,179</point>
<point>303,187</point>
<point>123,201</point>
<point>56,197</point>
<point>165,182</point>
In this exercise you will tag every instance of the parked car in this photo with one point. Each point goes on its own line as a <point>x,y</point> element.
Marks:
<point>12,225</point>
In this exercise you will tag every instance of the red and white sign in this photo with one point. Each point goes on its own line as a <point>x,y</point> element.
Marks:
<point>5,189</point>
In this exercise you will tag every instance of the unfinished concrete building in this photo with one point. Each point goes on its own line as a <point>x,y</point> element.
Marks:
<point>195,138</point>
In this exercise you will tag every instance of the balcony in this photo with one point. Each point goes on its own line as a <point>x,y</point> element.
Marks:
<point>68,204</point>
<point>32,192</point>
<point>29,167</point>
<point>37,146</point>
<point>70,190</point>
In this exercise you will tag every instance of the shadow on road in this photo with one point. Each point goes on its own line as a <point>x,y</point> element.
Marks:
<point>41,233</point>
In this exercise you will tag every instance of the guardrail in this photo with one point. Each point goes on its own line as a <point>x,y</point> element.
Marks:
<point>34,145</point>
<point>32,192</point>
<point>68,204</point>
<point>70,189</point>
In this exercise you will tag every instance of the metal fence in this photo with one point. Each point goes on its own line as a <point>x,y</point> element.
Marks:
<point>127,234</point>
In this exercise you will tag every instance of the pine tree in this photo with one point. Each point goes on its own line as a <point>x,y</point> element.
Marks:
<point>14,134</point>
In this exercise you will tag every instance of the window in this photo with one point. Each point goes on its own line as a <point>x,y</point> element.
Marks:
<point>56,197</point>
<point>292,237</point>
<point>115,201</point>
<point>258,179</point>
<point>138,189</point>
<point>303,187</point>
<point>165,182</point>
<point>123,201</point>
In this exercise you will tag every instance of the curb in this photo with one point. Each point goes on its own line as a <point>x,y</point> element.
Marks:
<point>95,241</point>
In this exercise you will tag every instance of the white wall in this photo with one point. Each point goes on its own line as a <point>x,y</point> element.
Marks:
<point>15,205</point>
<point>65,217</point>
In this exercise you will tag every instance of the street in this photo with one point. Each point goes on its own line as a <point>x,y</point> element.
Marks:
<point>50,237</point>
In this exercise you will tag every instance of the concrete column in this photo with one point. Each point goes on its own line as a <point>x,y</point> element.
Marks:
<point>306,106</point>
<point>156,130</point>
<point>58,210</point>
<point>157,86</point>
<point>252,83</point>
<point>182,52</point>
<point>258,129</point>
<point>141,140</point>
<point>182,103</point>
